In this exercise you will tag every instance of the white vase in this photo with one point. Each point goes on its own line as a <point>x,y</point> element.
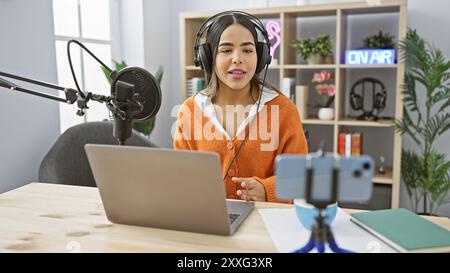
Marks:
<point>326,113</point>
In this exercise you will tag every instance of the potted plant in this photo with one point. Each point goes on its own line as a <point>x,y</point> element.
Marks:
<point>315,50</point>
<point>144,127</point>
<point>324,86</point>
<point>379,41</point>
<point>425,170</point>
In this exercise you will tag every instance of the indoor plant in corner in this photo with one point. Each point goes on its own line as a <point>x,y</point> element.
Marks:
<point>144,127</point>
<point>425,170</point>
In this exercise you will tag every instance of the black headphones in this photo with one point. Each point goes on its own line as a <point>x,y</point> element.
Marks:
<point>203,54</point>
<point>378,98</point>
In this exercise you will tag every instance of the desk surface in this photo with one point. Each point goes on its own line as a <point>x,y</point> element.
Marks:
<point>55,218</point>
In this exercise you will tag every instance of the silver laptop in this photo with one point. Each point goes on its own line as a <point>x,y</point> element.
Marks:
<point>162,188</point>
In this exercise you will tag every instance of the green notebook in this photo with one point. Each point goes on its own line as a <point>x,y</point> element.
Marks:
<point>404,230</point>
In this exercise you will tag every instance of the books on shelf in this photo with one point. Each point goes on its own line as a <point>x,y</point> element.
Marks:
<point>404,230</point>
<point>301,100</point>
<point>350,144</point>
<point>194,85</point>
<point>288,88</point>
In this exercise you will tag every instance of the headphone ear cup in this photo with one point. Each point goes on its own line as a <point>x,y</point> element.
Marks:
<point>263,54</point>
<point>380,101</point>
<point>356,101</point>
<point>205,57</point>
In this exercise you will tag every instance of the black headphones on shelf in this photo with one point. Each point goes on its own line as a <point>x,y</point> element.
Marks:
<point>203,53</point>
<point>379,98</point>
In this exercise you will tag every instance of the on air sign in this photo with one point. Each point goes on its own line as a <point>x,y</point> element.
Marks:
<point>370,56</point>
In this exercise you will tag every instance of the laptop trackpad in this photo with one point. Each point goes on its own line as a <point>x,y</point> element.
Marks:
<point>240,207</point>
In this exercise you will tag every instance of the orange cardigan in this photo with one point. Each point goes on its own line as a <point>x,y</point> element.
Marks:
<point>252,161</point>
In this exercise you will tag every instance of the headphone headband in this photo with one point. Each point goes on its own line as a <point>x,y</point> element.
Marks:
<point>203,52</point>
<point>256,22</point>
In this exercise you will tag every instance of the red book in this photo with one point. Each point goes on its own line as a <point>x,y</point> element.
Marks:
<point>341,144</point>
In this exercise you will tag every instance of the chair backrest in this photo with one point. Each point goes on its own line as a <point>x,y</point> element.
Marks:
<point>67,163</point>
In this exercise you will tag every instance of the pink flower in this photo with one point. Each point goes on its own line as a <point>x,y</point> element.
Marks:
<point>324,88</point>
<point>317,77</point>
<point>331,90</point>
<point>325,75</point>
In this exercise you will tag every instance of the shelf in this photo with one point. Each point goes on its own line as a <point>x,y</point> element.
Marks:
<point>350,66</point>
<point>310,66</point>
<point>317,121</point>
<point>364,123</point>
<point>383,178</point>
<point>192,67</point>
<point>274,66</point>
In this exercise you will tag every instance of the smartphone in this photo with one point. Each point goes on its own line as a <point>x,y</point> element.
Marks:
<point>354,177</point>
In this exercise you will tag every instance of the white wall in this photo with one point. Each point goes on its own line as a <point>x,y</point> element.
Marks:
<point>131,32</point>
<point>158,25</point>
<point>29,125</point>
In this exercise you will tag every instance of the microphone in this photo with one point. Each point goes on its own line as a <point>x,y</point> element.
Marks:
<point>136,95</point>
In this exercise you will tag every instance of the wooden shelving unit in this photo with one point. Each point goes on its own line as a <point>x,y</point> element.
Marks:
<point>288,66</point>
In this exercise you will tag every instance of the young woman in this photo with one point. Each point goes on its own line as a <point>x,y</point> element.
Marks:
<point>225,117</point>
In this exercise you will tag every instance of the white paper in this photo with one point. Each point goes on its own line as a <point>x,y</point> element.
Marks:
<point>288,234</point>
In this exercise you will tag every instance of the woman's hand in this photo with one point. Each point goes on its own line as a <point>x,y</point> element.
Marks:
<point>253,189</point>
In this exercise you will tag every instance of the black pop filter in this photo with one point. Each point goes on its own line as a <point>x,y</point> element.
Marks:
<point>145,86</point>
<point>136,95</point>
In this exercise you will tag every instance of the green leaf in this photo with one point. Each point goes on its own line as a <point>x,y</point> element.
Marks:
<point>411,166</point>
<point>436,126</point>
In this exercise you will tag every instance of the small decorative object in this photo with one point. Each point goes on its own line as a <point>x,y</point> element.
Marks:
<point>326,113</point>
<point>370,57</point>
<point>381,169</point>
<point>301,100</point>
<point>377,94</point>
<point>377,49</point>
<point>379,41</point>
<point>324,86</point>
<point>315,50</point>
<point>273,31</point>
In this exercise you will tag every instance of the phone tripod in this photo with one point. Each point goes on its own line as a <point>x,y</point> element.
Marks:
<point>321,233</point>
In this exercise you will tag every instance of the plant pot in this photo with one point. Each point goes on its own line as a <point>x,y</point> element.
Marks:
<point>326,113</point>
<point>315,59</point>
<point>329,59</point>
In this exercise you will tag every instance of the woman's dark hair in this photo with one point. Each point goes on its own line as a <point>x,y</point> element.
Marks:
<point>213,38</point>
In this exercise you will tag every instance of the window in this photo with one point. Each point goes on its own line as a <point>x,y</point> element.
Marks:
<point>87,21</point>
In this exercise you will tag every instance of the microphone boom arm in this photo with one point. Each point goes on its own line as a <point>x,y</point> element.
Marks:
<point>71,94</point>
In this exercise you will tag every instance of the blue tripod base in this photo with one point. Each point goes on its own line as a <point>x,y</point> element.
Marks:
<point>321,247</point>
<point>320,236</point>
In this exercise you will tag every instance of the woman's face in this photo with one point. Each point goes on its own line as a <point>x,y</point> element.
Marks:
<point>236,57</point>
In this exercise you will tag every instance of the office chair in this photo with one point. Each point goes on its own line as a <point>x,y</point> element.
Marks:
<point>66,162</point>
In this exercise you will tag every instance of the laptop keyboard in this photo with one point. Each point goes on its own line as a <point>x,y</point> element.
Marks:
<point>233,217</point>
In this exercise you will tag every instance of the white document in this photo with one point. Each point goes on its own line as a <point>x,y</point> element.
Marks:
<point>288,234</point>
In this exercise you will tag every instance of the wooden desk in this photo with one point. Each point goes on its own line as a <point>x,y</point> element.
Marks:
<point>55,218</point>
